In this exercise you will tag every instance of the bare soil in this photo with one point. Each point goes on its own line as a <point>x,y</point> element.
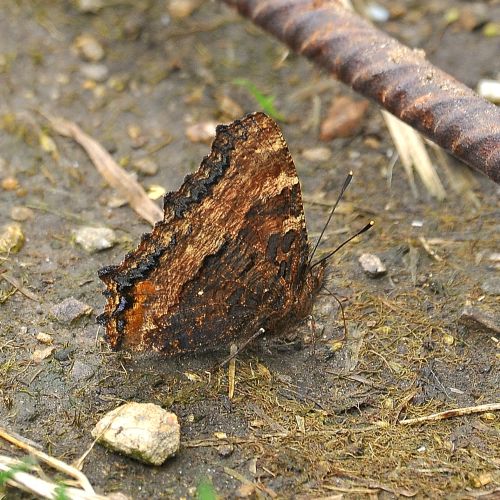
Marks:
<point>306,420</point>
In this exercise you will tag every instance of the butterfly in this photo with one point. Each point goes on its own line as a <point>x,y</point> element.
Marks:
<point>230,257</point>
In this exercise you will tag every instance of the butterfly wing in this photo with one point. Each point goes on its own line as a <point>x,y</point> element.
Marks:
<point>229,257</point>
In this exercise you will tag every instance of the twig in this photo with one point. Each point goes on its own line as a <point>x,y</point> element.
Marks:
<point>468,410</point>
<point>116,177</point>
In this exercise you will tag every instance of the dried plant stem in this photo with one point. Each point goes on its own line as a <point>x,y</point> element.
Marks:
<point>53,462</point>
<point>41,487</point>
<point>468,410</point>
<point>125,185</point>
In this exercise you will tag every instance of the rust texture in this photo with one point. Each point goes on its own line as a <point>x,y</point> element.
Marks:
<point>398,78</point>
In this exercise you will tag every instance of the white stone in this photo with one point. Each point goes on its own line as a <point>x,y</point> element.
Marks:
<point>94,239</point>
<point>372,265</point>
<point>143,431</point>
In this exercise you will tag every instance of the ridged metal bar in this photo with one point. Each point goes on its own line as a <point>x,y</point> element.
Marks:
<point>396,77</point>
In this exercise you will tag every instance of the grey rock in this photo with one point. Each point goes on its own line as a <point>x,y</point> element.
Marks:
<point>143,431</point>
<point>372,265</point>
<point>64,354</point>
<point>70,310</point>
<point>477,318</point>
<point>82,371</point>
<point>95,239</point>
<point>491,286</point>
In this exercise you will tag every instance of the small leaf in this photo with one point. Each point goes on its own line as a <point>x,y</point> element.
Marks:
<point>206,490</point>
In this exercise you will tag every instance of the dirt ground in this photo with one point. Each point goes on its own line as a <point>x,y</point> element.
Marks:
<point>303,422</point>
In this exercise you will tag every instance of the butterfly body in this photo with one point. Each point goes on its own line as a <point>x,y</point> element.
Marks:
<point>231,255</point>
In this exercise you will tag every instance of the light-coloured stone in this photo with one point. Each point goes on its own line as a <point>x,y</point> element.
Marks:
<point>40,354</point>
<point>89,48</point>
<point>372,265</point>
<point>11,238</point>
<point>44,338</point>
<point>94,239</point>
<point>95,71</point>
<point>143,431</point>
<point>21,214</point>
<point>317,155</point>
<point>146,166</point>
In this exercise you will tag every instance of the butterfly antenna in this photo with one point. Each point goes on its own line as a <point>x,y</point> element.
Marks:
<point>342,191</point>
<point>361,231</point>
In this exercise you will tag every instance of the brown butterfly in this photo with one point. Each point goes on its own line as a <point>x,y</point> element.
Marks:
<point>230,257</point>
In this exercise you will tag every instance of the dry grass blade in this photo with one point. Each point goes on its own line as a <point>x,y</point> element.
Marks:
<point>19,287</point>
<point>232,370</point>
<point>117,178</point>
<point>53,462</point>
<point>40,487</point>
<point>468,410</point>
<point>411,149</point>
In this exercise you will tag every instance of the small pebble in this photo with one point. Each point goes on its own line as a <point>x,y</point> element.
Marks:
<point>91,6</point>
<point>146,166</point>
<point>179,9</point>
<point>40,354</point>
<point>116,202</point>
<point>89,48</point>
<point>317,155</point>
<point>81,371</point>
<point>44,338</point>
<point>448,339</point>
<point>225,450</point>
<point>491,286</point>
<point>11,238</point>
<point>377,13</point>
<point>10,184</point>
<point>489,89</point>
<point>64,354</point>
<point>372,265</point>
<point>475,317</point>
<point>143,431</point>
<point>201,132</point>
<point>21,214</point>
<point>94,239</point>
<point>134,25</point>
<point>95,71</point>
<point>70,310</point>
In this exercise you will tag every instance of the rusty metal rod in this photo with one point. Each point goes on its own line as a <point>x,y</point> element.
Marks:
<point>396,77</point>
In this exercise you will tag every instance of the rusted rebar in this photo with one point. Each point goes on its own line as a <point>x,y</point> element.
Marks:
<point>396,77</point>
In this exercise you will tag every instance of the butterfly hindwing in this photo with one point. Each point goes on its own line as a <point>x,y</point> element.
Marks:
<point>230,256</point>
